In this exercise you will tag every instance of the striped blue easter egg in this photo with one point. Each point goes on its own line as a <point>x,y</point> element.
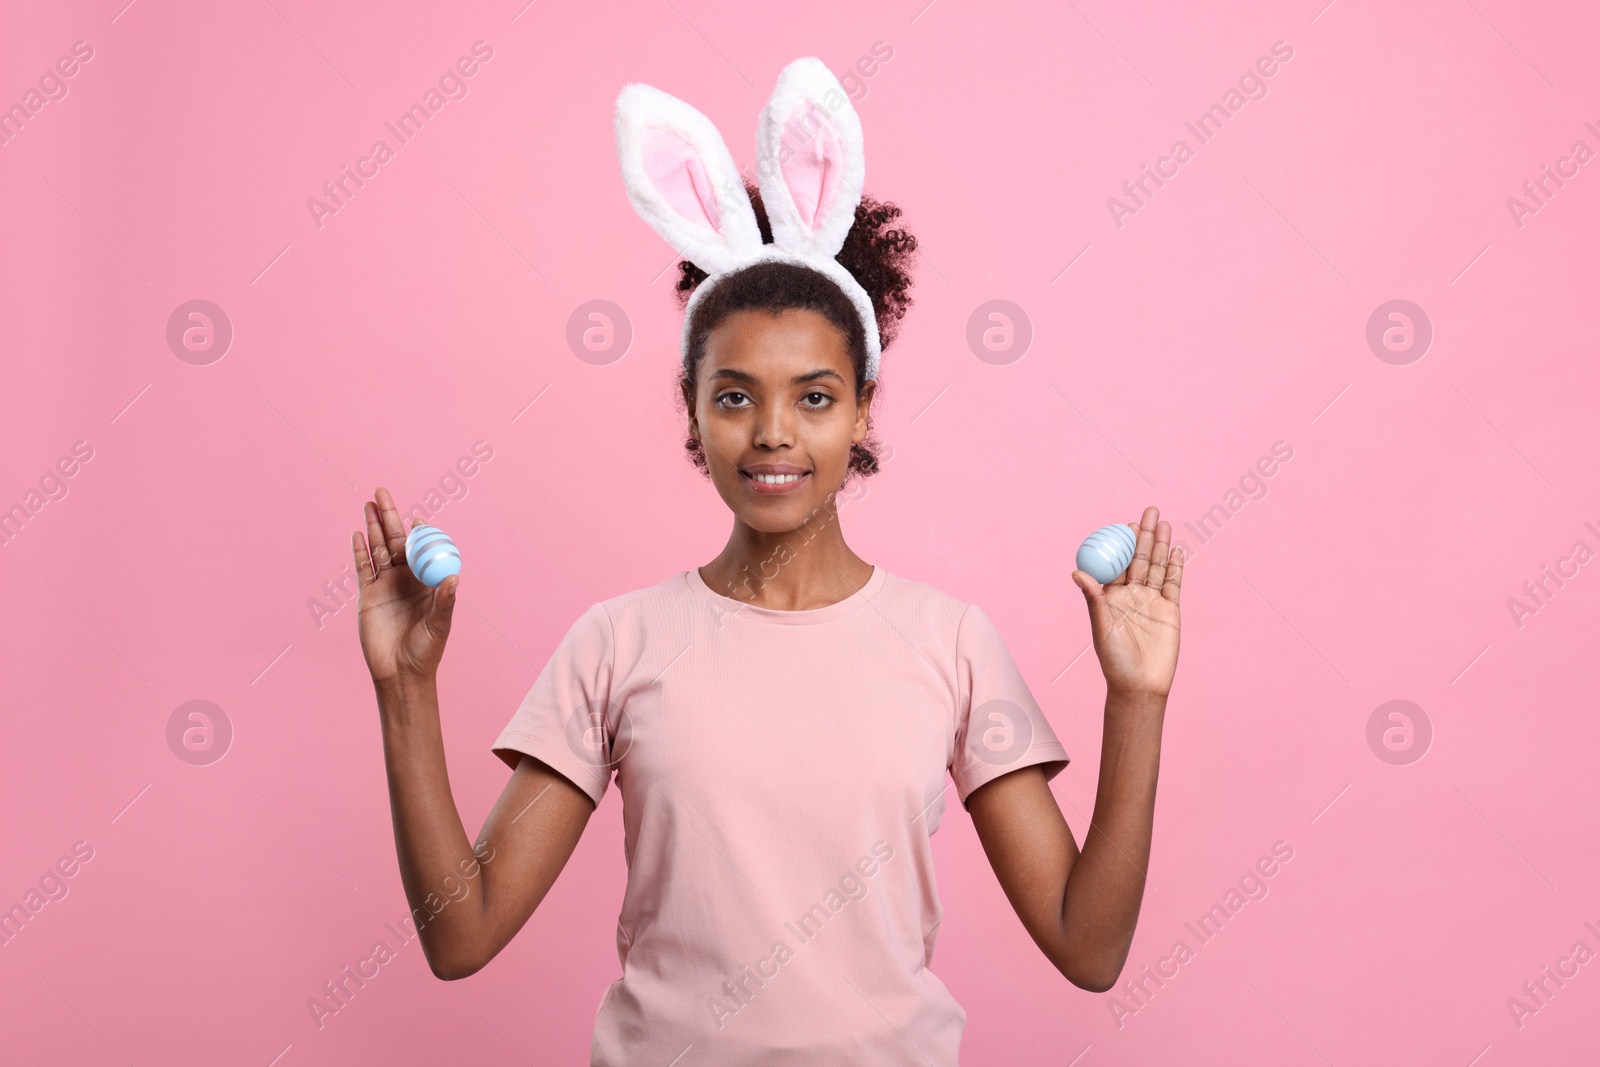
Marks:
<point>1107,552</point>
<point>431,554</point>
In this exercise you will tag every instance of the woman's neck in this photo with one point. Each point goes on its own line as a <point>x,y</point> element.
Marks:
<point>796,570</point>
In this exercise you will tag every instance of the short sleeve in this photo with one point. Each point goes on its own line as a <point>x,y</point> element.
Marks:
<point>564,720</point>
<point>999,726</point>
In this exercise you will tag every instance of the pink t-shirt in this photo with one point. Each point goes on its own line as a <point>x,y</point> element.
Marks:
<point>781,774</point>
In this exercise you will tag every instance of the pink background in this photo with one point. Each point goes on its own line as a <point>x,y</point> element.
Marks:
<point>1229,313</point>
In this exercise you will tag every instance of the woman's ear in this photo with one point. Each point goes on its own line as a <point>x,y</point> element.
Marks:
<point>688,400</point>
<point>863,410</point>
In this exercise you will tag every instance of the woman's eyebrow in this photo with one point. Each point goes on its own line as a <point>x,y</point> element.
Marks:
<point>799,379</point>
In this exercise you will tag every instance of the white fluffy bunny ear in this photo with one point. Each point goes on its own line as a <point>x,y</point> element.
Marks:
<point>810,160</point>
<point>681,179</point>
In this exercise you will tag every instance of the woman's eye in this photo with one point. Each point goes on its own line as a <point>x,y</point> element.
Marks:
<point>735,399</point>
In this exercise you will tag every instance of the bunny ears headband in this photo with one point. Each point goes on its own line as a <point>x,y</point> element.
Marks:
<point>682,181</point>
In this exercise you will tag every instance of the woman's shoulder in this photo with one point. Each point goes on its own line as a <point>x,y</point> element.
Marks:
<point>943,614</point>
<point>922,597</point>
<point>671,592</point>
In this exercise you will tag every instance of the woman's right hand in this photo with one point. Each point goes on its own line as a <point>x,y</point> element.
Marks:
<point>403,623</point>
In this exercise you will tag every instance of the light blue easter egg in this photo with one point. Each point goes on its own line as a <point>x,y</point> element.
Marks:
<point>431,555</point>
<point>1107,552</point>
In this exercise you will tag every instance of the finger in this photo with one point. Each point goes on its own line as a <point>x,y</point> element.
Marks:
<point>1122,579</point>
<point>1174,583</point>
<point>394,530</point>
<point>366,571</point>
<point>442,608</point>
<point>379,543</point>
<point>1092,590</point>
<point>1141,551</point>
<point>1159,555</point>
<point>1095,598</point>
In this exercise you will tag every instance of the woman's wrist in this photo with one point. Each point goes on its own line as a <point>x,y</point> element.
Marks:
<point>1130,707</point>
<point>403,697</point>
<point>1134,696</point>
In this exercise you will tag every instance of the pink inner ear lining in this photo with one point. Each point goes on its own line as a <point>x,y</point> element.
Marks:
<point>812,162</point>
<point>674,168</point>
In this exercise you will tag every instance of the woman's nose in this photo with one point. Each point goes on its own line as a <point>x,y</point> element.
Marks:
<point>775,426</point>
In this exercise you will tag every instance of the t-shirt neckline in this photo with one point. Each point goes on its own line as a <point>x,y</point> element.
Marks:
<point>805,617</point>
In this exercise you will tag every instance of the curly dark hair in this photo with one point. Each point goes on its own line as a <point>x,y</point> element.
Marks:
<point>876,253</point>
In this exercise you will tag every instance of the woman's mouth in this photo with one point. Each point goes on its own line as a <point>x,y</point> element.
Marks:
<point>772,483</point>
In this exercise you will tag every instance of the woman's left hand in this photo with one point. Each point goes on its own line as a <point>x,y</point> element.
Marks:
<point>1135,618</point>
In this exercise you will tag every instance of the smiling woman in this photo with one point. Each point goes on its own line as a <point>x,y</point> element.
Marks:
<point>781,420</point>
<point>770,714</point>
<point>875,251</point>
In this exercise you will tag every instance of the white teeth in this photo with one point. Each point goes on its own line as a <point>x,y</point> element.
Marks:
<point>776,479</point>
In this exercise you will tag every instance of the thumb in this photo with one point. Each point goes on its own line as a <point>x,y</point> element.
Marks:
<point>1092,590</point>
<point>443,607</point>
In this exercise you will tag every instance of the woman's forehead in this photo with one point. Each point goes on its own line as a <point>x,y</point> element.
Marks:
<point>764,343</point>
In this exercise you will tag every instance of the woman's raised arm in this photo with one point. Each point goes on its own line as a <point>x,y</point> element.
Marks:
<point>1081,908</point>
<point>468,900</point>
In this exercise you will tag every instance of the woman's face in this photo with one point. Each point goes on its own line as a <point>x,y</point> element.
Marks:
<point>776,413</point>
